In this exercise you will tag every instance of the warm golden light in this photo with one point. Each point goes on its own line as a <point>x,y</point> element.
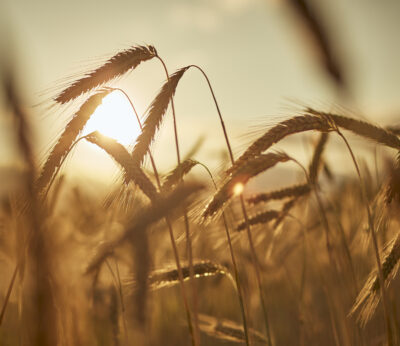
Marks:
<point>114,118</point>
<point>238,189</point>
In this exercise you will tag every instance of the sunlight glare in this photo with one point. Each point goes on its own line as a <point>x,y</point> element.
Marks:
<point>114,118</point>
<point>238,189</point>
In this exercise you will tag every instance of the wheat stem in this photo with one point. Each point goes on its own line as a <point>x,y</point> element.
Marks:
<point>235,268</point>
<point>252,248</point>
<point>174,248</point>
<point>189,249</point>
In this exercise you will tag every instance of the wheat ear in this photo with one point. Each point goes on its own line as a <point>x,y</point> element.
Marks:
<point>176,175</point>
<point>278,132</point>
<point>71,131</point>
<point>361,128</point>
<point>259,218</point>
<point>168,277</point>
<point>132,171</point>
<point>369,296</point>
<point>228,330</point>
<point>241,176</point>
<point>287,192</point>
<point>114,67</point>
<point>155,115</point>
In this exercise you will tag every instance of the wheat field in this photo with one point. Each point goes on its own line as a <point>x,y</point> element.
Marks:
<point>192,256</point>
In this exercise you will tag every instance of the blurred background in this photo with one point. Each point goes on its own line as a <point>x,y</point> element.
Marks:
<point>264,59</point>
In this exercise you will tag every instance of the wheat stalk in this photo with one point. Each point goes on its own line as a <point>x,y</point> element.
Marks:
<point>114,67</point>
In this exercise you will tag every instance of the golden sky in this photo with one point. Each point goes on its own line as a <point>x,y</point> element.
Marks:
<point>253,51</point>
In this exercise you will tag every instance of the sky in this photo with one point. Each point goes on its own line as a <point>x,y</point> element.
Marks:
<point>253,51</point>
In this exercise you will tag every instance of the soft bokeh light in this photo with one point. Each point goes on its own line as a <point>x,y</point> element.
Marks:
<point>238,189</point>
<point>115,118</point>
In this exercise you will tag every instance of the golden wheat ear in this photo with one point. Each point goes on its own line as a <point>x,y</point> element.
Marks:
<point>287,192</point>
<point>168,277</point>
<point>227,330</point>
<point>155,115</point>
<point>118,152</point>
<point>369,296</point>
<point>359,127</point>
<point>257,219</point>
<point>278,132</point>
<point>119,64</point>
<point>175,176</point>
<point>241,176</point>
<point>66,140</point>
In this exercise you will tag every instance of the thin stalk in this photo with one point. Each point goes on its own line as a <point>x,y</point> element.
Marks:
<point>235,268</point>
<point>9,290</point>
<point>374,242</point>
<point>173,243</point>
<point>244,211</point>
<point>153,164</point>
<point>189,249</point>
<point>324,218</point>
<point>118,286</point>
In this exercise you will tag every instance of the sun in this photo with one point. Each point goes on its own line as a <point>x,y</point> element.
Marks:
<point>115,118</point>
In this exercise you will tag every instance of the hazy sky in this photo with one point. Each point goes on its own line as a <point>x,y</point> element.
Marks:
<point>252,50</point>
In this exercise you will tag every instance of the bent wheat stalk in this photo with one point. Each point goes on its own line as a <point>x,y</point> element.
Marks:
<point>243,206</point>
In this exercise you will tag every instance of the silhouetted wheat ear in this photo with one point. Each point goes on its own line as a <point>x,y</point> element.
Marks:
<point>116,66</point>
<point>369,295</point>
<point>278,132</point>
<point>71,131</point>
<point>259,218</point>
<point>287,192</point>
<point>316,160</point>
<point>361,128</point>
<point>178,173</point>
<point>168,277</point>
<point>155,115</point>
<point>242,175</point>
<point>227,330</point>
<point>132,172</point>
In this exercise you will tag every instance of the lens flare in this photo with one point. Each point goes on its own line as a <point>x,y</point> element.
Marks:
<point>238,189</point>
